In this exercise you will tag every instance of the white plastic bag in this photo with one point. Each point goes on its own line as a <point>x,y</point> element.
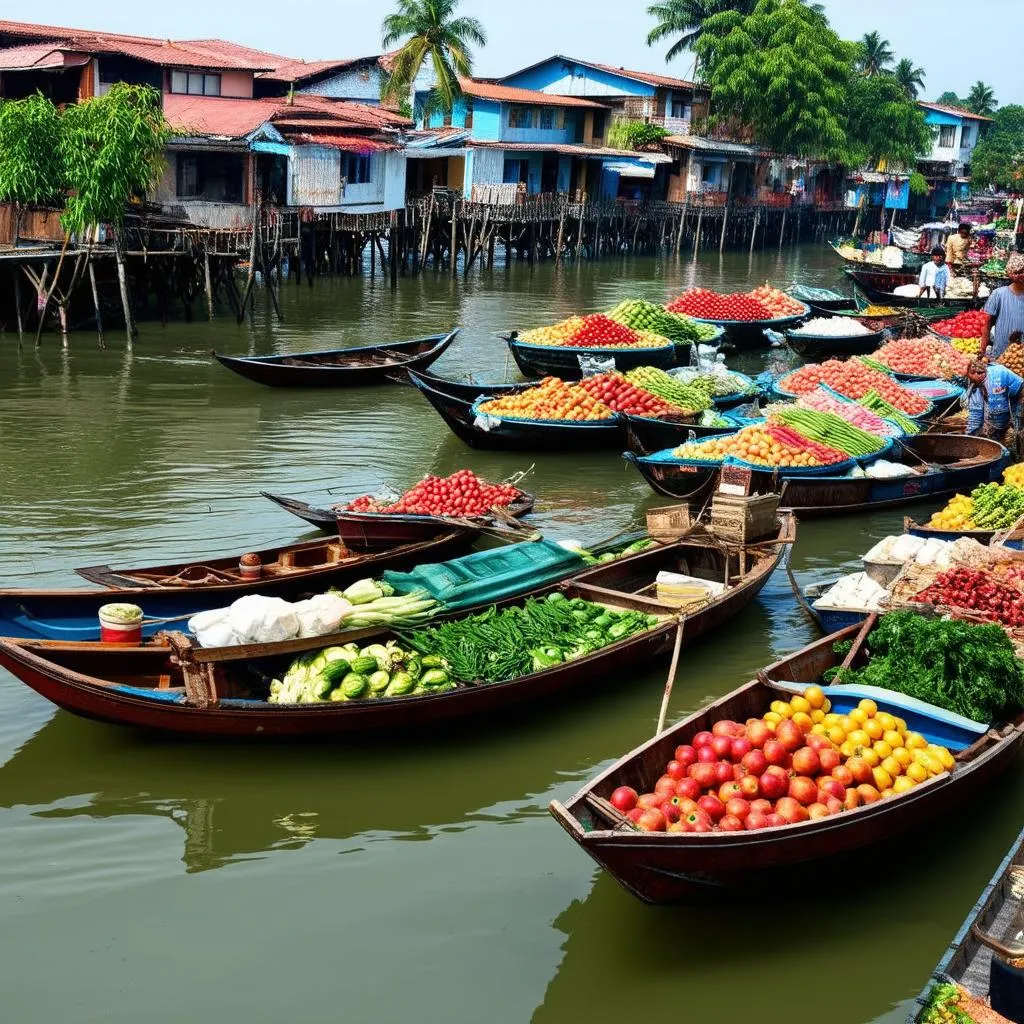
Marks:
<point>321,615</point>
<point>263,620</point>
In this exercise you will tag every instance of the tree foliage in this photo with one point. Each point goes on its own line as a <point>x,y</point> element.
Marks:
<point>684,20</point>
<point>874,54</point>
<point>430,34</point>
<point>635,134</point>
<point>950,99</point>
<point>783,71</point>
<point>884,123</point>
<point>111,148</point>
<point>998,159</point>
<point>30,166</point>
<point>981,99</point>
<point>911,78</point>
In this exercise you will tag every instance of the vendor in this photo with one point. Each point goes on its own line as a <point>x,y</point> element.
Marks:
<point>1005,309</point>
<point>934,279</point>
<point>992,392</point>
<point>957,246</point>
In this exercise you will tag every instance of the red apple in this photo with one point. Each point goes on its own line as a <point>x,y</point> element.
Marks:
<point>831,787</point>
<point>750,787</point>
<point>724,772</point>
<point>685,805</point>
<point>706,754</point>
<point>741,746</point>
<point>624,798</point>
<point>730,823</point>
<point>665,787</point>
<point>636,814</point>
<point>803,789</point>
<point>755,820</point>
<point>755,762</point>
<point>775,819</point>
<point>818,743</point>
<point>790,735</point>
<point>688,788</point>
<point>758,733</point>
<point>705,775</point>
<point>860,770</point>
<point>649,801</point>
<point>652,821</point>
<point>834,806</point>
<point>702,739</point>
<point>675,826</point>
<point>830,760</point>
<point>817,810</point>
<point>712,807</point>
<point>685,754</point>
<point>806,762</point>
<point>722,746</point>
<point>728,790</point>
<point>738,771</point>
<point>851,800</point>
<point>698,821</point>
<point>726,727</point>
<point>791,810</point>
<point>762,806</point>
<point>737,807</point>
<point>842,773</point>
<point>774,751</point>
<point>676,769</point>
<point>669,811</point>
<point>773,785</point>
<point>868,794</point>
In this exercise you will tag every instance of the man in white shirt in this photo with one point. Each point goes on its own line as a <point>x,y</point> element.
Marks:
<point>934,278</point>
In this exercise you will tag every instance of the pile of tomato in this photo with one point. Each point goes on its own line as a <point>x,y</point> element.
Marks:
<point>616,392</point>
<point>853,380</point>
<point>963,325</point>
<point>552,399</point>
<point>705,304</point>
<point>777,302</point>
<point>770,446</point>
<point>978,590</point>
<point>926,357</point>
<point>593,331</point>
<point>461,494</point>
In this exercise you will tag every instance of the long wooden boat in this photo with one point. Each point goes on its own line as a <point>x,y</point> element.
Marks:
<point>167,685</point>
<point>645,436</point>
<point>670,867</point>
<point>944,465</point>
<point>513,435</point>
<point>878,287</point>
<point>72,614</point>
<point>912,261</point>
<point>468,389</point>
<point>978,954</point>
<point>564,361</point>
<point>344,367</point>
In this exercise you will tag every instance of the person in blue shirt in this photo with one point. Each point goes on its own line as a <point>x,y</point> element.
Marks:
<point>993,392</point>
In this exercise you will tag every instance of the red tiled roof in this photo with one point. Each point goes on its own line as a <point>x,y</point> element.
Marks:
<point>955,111</point>
<point>39,56</point>
<point>301,70</point>
<point>237,50</point>
<point>349,143</point>
<point>509,94</point>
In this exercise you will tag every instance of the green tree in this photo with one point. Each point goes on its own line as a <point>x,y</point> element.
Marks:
<point>429,32</point>
<point>884,123</point>
<point>875,54</point>
<point>981,99</point>
<point>784,72</point>
<point>998,158</point>
<point>30,167</point>
<point>683,21</point>
<point>911,78</point>
<point>111,148</point>
<point>950,99</point>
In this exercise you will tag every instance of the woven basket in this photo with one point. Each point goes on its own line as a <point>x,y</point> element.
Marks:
<point>740,520</point>
<point>668,523</point>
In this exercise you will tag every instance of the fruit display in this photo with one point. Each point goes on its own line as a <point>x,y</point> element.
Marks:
<point>799,762</point>
<point>990,506</point>
<point>641,315</point>
<point>854,380</point>
<point>620,394</point>
<point>874,310</point>
<point>552,399</point>
<point>709,305</point>
<point>777,302</point>
<point>461,494</point>
<point>718,383</point>
<point>771,446</point>
<point>924,357</point>
<point>995,267</point>
<point>955,516</point>
<point>970,669</point>
<point>821,401</point>
<point>1013,358</point>
<point>969,346</point>
<point>968,324</point>
<point>829,430</point>
<point>593,331</point>
<point>979,591</point>
<point>536,635</point>
<point>696,397</point>
<point>1014,474</point>
<point>832,327</point>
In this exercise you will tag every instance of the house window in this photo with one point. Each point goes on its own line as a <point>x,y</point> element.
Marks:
<point>598,129</point>
<point>547,119</point>
<point>215,177</point>
<point>195,83</point>
<point>468,121</point>
<point>681,109</point>
<point>355,168</point>
<point>965,137</point>
<point>947,136</point>
<point>520,117</point>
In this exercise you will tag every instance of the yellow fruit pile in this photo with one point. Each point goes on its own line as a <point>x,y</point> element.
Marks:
<point>969,346</point>
<point>1014,474</point>
<point>556,334</point>
<point>957,514</point>
<point>807,710</point>
<point>873,310</point>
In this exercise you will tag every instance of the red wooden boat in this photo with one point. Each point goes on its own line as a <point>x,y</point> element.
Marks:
<point>167,685</point>
<point>671,867</point>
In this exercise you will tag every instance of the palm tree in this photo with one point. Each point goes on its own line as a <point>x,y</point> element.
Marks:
<point>910,77</point>
<point>981,99</point>
<point>875,54</point>
<point>429,33</point>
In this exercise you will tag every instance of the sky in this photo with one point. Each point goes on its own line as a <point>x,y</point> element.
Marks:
<point>943,36</point>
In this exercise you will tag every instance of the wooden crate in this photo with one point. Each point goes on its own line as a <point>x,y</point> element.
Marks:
<point>668,523</point>
<point>740,520</point>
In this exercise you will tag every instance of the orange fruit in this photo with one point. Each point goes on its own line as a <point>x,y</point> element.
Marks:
<point>883,780</point>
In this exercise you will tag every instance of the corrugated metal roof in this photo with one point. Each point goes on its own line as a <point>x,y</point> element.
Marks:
<point>509,94</point>
<point>702,145</point>
<point>349,143</point>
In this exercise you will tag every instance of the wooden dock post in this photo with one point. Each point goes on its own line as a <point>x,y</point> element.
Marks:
<point>393,250</point>
<point>725,221</point>
<point>696,236</point>
<point>753,230</point>
<point>206,276</point>
<point>95,302</point>
<point>455,235</point>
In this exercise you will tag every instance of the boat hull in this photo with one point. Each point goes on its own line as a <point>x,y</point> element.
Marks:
<point>564,362</point>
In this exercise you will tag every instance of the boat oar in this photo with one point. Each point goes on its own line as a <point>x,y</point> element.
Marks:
<point>869,624</point>
<point>670,682</point>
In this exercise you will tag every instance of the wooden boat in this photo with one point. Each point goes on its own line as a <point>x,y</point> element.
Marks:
<point>166,593</point>
<point>167,685</point>
<point>516,436</point>
<point>944,465</point>
<point>468,389</point>
<point>814,346</point>
<point>644,436</point>
<point>978,954</point>
<point>878,287</point>
<point>750,333</point>
<point>669,867</point>
<point>564,361</point>
<point>369,531</point>
<point>912,261</point>
<point>344,367</point>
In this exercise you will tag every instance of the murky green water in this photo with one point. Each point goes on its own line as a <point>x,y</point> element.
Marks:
<point>422,879</point>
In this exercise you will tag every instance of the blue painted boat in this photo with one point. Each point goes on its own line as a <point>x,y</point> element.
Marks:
<point>829,620</point>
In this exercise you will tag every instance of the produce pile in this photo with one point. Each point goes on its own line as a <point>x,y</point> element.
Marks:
<point>969,346</point>
<point>1012,358</point>
<point>874,310</point>
<point>969,324</point>
<point>798,762</point>
<point>994,266</point>
<point>539,634</point>
<point>593,331</point>
<point>340,674</point>
<point>1014,474</point>
<point>969,669</point>
<point>875,403</point>
<point>821,401</point>
<point>461,494</point>
<point>990,506</point>
<point>908,548</point>
<point>856,592</point>
<point>696,396</point>
<point>777,302</point>
<point>976,590</point>
<point>718,383</point>
<point>646,316</point>
<point>762,303</point>
<point>624,551</point>
<point>925,357</point>
<point>552,399</point>
<point>854,380</point>
<point>952,1004</point>
<point>620,394</point>
<point>771,446</point>
<point>830,430</point>
<point>833,327</point>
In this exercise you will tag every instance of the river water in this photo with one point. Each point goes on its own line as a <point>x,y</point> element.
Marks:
<point>423,878</point>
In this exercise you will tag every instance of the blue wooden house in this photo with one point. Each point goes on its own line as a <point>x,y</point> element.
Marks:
<point>947,168</point>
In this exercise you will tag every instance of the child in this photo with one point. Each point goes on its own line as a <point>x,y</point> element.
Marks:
<point>934,277</point>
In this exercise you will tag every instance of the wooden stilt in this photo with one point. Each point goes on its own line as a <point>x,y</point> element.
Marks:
<point>696,236</point>
<point>455,235</point>
<point>122,282</point>
<point>206,279</point>
<point>95,303</point>
<point>17,305</point>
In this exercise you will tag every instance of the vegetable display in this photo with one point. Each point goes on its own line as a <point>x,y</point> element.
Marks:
<point>461,494</point>
<point>854,413</point>
<point>955,516</point>
<point>664,385</point>
<point>969,346</point>
<point>1013,358</point>
<point>611,556</point>
<point>641,315</point>
<point>990,506</point>
<point>977,590</point>
<point>593,331</point>
<point>374,603</point>
<point>619,393</point>
<point>718,383</point>
<point>833,327</point>
<point>854,380</point>
<point>968,324</point>
<point>552,399</point>
<point>943,1006</point>
<point>925,357</point>
<point>830,430</point>
<point>799,762</point>
<point>769,446</point>
<point>1014,474</point>
<point>495,646</point>
<point>709,305</point>
<point>875,403</point>
<point>969,669</point>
